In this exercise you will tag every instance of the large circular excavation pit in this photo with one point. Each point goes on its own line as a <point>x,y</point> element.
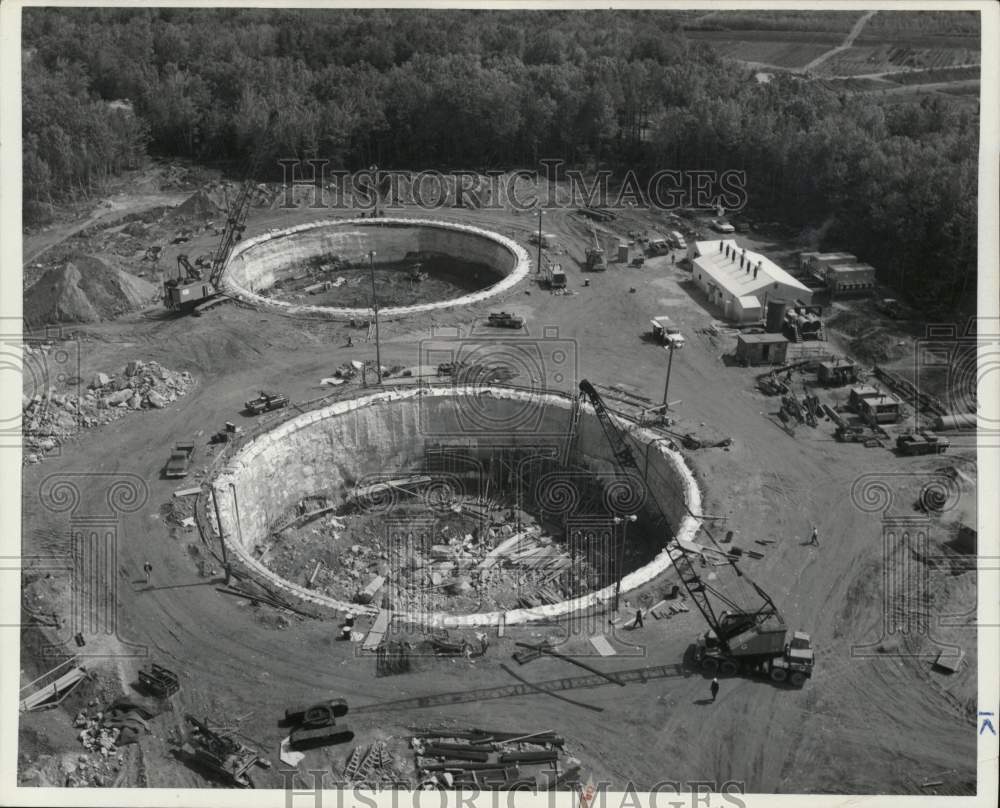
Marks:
<point>325,269</point>
<point>398,500</point>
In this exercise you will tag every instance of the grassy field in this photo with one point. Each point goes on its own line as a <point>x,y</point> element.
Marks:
<point>936,75</point>
<point>923,22</point>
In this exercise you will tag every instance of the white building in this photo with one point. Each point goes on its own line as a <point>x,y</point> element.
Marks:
<point>741,282</point>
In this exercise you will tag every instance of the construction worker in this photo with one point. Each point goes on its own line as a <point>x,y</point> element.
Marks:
<point>638,618</point>
<point>350,341</point>
<point>814,538</point>
<point>715,688</point>
<point>148,569</point>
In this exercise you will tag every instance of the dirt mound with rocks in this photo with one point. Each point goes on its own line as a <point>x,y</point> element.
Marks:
<point>198,207</point>
<point>50,418</point>
<point>85,290</point>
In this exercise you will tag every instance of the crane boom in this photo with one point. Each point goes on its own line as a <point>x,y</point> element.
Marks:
<point>726,624</point>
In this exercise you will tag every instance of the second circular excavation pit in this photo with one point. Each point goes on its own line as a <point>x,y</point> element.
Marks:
<point>401,500</point>
<point>326,268</point>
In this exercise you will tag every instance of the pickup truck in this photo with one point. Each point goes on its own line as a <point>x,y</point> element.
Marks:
<point>266,402</point>
<point>180,460</point>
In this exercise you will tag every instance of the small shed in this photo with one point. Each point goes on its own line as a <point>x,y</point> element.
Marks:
<point>882,409</point>
<point>837,374</point>
<point>761,349</point>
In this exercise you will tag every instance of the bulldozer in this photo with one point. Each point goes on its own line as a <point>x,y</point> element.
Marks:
<point>220,756</point>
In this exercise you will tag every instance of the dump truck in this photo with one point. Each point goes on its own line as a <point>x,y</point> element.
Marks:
<point>504,319</point>
<point>921,442</point>
<point>180,460</point>
<point>265,402</point>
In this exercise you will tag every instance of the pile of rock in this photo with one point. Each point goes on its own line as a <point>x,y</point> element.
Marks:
<point>94,736</point>
<point>50,417</point>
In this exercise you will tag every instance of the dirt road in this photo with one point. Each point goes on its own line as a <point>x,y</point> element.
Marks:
<point>864,724</point>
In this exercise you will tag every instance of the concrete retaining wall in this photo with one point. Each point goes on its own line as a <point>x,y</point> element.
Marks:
<point>260,261</point>
<point>385,433</point>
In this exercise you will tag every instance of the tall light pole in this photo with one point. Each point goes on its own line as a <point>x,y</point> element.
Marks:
<point>374,170</point>
<point>670,347</point>
<point>378,350</point>
<point>620,561</point>
<point>538,266</point>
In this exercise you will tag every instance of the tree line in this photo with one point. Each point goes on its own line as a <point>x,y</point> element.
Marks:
<point>418,89</point>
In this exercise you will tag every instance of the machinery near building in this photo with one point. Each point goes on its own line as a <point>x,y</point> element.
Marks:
<point>665,332</point>
<point>739,640</point>
<point>596,262</point>
<point>921,442</point>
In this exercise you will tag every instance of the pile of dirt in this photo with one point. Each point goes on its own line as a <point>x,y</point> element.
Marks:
<point>50,418</point>
<point>84,290</point>
<point>198,207</point>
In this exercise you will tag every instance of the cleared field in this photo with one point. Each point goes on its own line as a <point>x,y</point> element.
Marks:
<point>885,58</point>
<point>827,38</point>
<point>936,75</point>
<point>779,54</point>
<point>925,22</point>
<point>806,21</point>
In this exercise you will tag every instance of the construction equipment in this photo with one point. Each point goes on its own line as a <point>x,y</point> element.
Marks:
<point>265,402</point>
<point>159,681</point>
<point>503,319</point>
<point>190,293</point>
<point>665,332</point>
<point>739,639</point>
<point>317,725</point>
<point>180,460</point>
<point>921,442</point>
<point>555,277</point>
<point>595,254</point>
<point>219,755</point>
<point>229,433</point>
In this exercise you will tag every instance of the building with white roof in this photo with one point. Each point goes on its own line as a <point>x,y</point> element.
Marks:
<point>739,281</point>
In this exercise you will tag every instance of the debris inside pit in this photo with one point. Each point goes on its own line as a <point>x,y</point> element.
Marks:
<point>442,553</point>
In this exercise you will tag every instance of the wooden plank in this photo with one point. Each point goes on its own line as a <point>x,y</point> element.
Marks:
<point>602,646</point>
<point>188,492</point>
<point>374,586</point>
<point>378,629</point>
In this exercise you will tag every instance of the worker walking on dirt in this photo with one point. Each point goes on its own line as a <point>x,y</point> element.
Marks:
<point>715,688</point>
<point>148,569</point>
<point>814,537</point>
<point>350,341</point>
<point>638,618</point>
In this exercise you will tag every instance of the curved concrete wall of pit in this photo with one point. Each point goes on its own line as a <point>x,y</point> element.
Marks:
<point>384,432</point>
<point>260,261</point>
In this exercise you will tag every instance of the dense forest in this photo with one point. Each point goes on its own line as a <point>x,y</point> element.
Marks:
<point>478,90</point>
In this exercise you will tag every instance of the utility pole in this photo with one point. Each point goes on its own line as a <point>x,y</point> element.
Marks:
<point>670,363</point>
<point>538,266</point>
<point>378,350</point>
